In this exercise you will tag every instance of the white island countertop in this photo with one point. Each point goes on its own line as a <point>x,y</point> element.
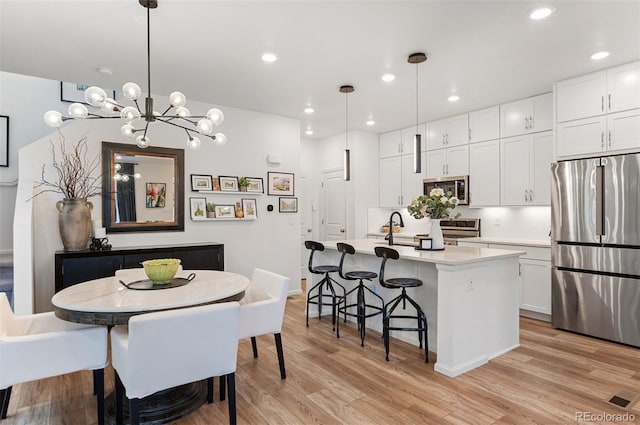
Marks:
<point>451,255</point>
<point>509,241</point>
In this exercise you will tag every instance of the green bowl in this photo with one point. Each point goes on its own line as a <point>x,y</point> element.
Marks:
<point>161,271</point>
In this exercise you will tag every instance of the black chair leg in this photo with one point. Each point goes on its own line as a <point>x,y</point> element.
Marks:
<point>119,394</point>
<point>231,385</point>
<point>278,337</point>
<point>5,397</point>
<point>134,411</point>
<point>209,390</point>
<point>98,388</point>
<point>223,388</point>
<point>254,345</point>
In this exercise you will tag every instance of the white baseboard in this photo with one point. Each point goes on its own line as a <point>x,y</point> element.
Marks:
<point>6,251</point>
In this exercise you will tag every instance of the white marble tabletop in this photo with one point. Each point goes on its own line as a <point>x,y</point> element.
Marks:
<point>451,255</point>
<point>108,295</point>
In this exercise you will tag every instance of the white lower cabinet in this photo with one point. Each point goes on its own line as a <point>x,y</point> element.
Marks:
<point>535,278</point>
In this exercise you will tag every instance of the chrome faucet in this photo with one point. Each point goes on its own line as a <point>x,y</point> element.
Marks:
<point>391,225</point>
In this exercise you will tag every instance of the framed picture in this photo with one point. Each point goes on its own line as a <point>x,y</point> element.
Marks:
<point>225,211</point>
<point>73,92</point>
<point>249,208</point>
<point>288,205</point>
<point>198,208</point>
<point>156,195</point>
<point>280,184</point>
<point>4,141</point>
<point>255,185</point>
<point>228,183</point>
<point>200,182</point>
<point>216,184</point>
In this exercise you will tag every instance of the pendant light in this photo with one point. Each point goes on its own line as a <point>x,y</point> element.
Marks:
<point>417,58</point>
<point>347,153</point>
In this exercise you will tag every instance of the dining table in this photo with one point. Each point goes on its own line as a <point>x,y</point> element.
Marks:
<point>111,301</point>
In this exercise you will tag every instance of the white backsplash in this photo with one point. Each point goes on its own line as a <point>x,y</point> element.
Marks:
<point>497,222</point>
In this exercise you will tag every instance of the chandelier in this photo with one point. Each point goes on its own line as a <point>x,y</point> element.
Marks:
<point>176,113</point>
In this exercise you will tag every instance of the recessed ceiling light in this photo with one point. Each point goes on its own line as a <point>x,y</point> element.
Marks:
<point>387,78</point>
<point>599,55</point>
<point>370,122</point>
<point>104,70</point>
<point>269,57</point>
<point>309,110</point>
<point>453,98</point>
<point>541,13</point>
<point>309,132</point>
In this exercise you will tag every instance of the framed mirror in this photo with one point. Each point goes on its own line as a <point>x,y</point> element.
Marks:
<point>143,189</point>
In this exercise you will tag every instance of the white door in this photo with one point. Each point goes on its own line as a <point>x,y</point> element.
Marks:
<point>624,130</point>
<point>458,130</point>
<point>436,161</point>
<point>514,117</point>
<point>580,137</point>
<point>306,219</point>
<point>581,97</point>
<point>541,118</point>
<point>333,206</point>
<point>514,159</point>
<point>623,85</point>
<point>457,161</point>
<point>484,124</point>
<point>437,131</point>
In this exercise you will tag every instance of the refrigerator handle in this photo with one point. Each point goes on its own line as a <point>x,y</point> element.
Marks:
<point>599,200</point>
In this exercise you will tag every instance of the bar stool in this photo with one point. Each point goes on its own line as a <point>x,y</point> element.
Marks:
<point>403,283</point>
<point>319,297</point>
<point>361,305</point>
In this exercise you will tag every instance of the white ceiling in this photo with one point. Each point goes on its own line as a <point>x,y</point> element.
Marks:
<point>488,52</point>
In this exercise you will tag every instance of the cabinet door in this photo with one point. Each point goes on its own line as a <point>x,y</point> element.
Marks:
<point>484,124</point>
<point>512,118</point>
<point>535,292</point>
<point>581,97</point>
<point>82,269</point>
<point>541,118</point>
<point>514,160</point>
<point>541,158</point>
<point>437,132</point>
<point>457,161</point>
<point>436,162</point>
<point>457,131</point>
<point>484,174</point>
<point>412,183</point>
<point>623,85</point>
<point>390,181</point>
<point>623,130</point>
<point>581,137</point>
<point>389,144</point>
<point>407,139</point>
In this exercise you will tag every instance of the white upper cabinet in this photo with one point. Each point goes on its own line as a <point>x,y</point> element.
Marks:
<point>448,132</point>
<point>390,181</point>
<point>525,173</point>
<point>613,90</point>
<point>581,97</point>
<point>407,138</point>
<point>484,124</point>
<point>412,183</point>
<point>525,116</point>
<point>484,174</point>
<point>448,162</point>
<point>390,144</point>
<point>623,84</point>
<point>599,112</point>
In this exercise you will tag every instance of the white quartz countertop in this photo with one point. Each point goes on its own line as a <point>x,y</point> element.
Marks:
<point>509,241</point>
<point>401,235</point>
<point>451,255</point>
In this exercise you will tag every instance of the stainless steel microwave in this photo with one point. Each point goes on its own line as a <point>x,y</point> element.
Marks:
<point>457,185</point>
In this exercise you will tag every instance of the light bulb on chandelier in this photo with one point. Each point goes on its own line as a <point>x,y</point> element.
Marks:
<point>180,117</point>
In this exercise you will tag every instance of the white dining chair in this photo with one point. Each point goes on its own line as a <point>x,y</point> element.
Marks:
<point>162,350</point>
<point>40,346</point>
<point>262,310</point>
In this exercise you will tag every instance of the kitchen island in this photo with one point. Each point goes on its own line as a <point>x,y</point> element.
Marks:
<point>470,297</point>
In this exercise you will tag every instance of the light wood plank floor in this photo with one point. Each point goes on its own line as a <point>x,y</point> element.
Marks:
<point>551,377</point>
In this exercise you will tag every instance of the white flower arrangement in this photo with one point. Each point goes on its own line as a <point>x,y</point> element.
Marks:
<point>437,205</point>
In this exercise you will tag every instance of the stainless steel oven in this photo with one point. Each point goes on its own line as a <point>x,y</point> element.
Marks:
<point>458,186</point>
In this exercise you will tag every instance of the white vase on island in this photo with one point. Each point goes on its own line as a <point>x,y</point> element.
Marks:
<point>435,233</point>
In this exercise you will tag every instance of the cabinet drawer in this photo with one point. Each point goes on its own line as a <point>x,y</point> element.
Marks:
<point>533,252</point>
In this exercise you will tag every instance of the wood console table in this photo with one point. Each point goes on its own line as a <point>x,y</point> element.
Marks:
<point>75,267</point>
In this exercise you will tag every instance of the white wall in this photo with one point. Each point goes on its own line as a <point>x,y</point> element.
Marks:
<point>271,242</point>
<point>24,100</point>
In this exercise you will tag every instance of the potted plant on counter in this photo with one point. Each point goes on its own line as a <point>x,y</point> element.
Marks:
<point>436,206</point>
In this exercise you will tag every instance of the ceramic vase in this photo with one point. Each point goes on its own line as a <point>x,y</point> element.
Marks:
<point>74,223</point>
<point>437,240</point>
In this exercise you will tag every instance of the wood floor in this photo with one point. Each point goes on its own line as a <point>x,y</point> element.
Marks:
<point>548,380</point>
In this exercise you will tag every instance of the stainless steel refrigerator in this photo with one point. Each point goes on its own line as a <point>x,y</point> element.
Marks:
<point>595,232</point>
